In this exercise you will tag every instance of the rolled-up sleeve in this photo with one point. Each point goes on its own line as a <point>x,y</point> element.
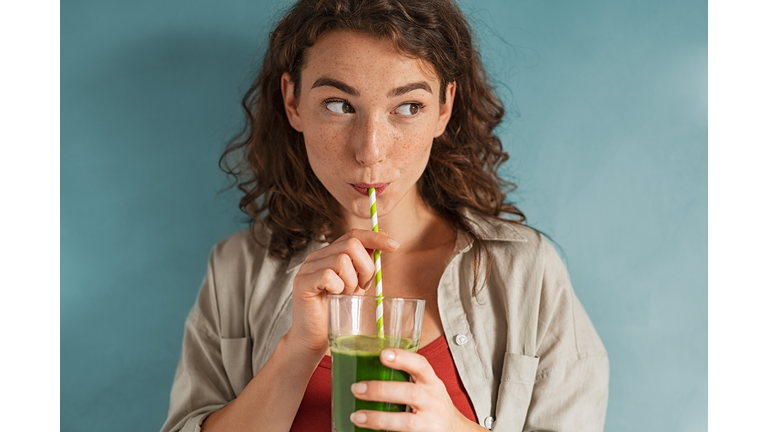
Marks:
<point>570,391</point>
<point>200,386</point>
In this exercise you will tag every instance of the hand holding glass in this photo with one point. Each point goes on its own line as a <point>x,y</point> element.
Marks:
<point>355,349</point>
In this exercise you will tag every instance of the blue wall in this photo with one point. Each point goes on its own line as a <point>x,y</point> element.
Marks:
<point>608,146</point>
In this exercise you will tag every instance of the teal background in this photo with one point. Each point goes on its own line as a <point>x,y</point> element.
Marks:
<point>607,132</point>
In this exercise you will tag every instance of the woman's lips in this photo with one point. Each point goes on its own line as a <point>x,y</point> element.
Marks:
<point>362,188</point>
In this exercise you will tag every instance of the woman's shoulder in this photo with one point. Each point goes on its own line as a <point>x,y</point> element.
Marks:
<point>245,246</point>
<point>502,231</point>
<point>514,245</point>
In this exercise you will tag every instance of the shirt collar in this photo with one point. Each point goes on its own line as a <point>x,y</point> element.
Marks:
<point>491,229</point>
<point>482,227</point>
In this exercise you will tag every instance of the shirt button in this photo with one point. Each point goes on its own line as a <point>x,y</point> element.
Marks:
<point>461,339</point>
<point>488,422</point>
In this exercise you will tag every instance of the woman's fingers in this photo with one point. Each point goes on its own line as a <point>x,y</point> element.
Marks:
<point>370,240</point>
<point>416,365</point>
<point>357,268</point>
<point>433,409</point>
<point>380,420</point>
<point>323,279</point>
<point>342,265</point>
<point>407,393</point>
<point>404,393</point>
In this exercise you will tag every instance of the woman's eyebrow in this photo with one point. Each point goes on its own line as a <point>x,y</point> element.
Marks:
<point>421,85</point>
<point>325,81</point>
<point>346,88</point>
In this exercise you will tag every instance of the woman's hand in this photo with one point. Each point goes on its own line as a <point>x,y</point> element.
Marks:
<point>432,408</point>
<point>343,267</point>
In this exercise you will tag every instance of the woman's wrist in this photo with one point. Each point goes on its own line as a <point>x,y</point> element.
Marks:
<point>285,377</point>
<point>295,347</point>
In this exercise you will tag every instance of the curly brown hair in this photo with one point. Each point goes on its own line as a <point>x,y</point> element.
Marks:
<point>268,158</point>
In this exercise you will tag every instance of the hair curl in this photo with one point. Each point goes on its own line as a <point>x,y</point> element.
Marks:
<point>268,159</point>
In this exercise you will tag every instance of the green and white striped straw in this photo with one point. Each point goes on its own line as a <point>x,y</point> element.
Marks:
<point>377,263</point>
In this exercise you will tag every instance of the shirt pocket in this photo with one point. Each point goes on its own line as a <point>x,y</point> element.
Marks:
<point>236,357</point>
<point>517,378</point>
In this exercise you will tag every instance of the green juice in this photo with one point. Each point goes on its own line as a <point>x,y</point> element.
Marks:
<point>356,358</point>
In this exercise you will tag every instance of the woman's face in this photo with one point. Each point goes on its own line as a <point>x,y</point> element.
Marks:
<point>369,116</point>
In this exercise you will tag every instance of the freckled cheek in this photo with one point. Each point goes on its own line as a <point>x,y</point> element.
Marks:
<point>324,142</point>
<point>414,146</point>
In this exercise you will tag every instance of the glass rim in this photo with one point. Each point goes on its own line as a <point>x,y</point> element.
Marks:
<point>374,297</point>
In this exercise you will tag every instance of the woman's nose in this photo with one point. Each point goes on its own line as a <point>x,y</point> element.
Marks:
<point>368,142</point>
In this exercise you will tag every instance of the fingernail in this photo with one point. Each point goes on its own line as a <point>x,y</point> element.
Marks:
<point>393,244</point>
<point>388,355</point>
<point>358,417</point>
<point>359,387</point>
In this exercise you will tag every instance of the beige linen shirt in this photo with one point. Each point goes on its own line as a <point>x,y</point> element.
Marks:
<point>524,347</point>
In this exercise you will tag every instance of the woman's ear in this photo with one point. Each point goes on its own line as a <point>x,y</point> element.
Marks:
<point>445,109</point>
<point>290,101</point>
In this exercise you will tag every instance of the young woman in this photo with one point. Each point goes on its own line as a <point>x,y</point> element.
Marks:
<point>388,94</point>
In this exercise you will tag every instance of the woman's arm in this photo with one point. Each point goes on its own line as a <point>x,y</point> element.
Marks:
<point>570,392</point>
<point>203,388</point>
<point>272,398</point>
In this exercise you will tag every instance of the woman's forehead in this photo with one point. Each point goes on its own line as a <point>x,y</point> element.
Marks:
<point>362,60</point>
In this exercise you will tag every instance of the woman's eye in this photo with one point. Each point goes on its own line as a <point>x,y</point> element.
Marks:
<point>409,109</point>
<point>339,107</point>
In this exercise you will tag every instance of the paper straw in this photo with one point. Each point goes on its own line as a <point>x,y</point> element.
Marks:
<point>377,263</point>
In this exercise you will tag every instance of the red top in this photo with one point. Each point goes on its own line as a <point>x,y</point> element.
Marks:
<point>315,410</point>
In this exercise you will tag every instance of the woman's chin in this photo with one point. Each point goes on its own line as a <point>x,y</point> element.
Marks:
<point>357,210</point>
<point>356,214</point>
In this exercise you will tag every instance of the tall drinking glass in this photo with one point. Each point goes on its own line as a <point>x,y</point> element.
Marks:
<point>355,348</point>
